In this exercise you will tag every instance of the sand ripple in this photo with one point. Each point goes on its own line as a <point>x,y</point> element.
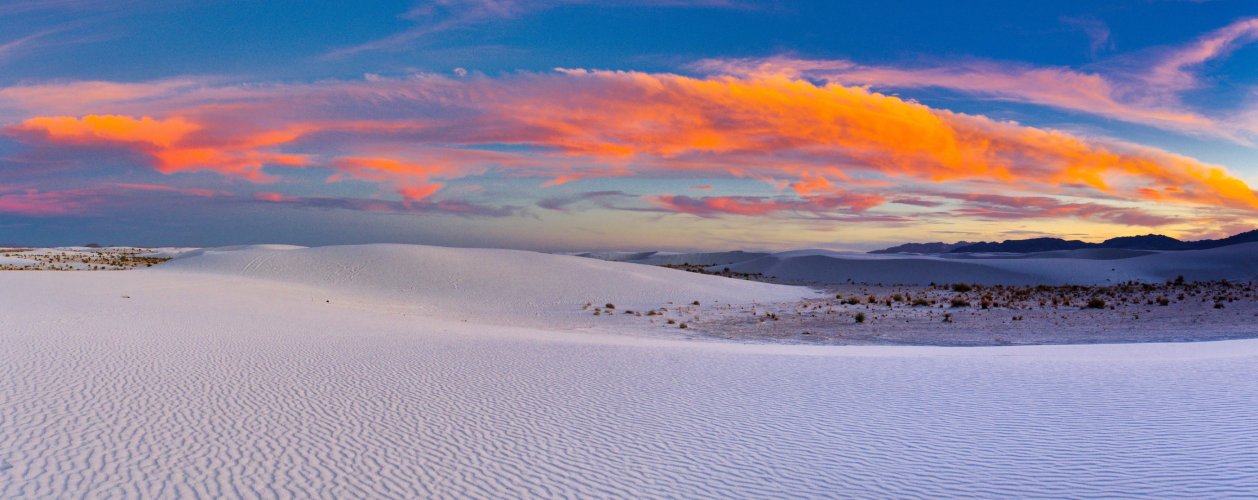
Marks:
<point>115,398</point>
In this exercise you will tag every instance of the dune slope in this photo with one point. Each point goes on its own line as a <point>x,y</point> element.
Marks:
<point>482,285</point>
<point>223,377</point>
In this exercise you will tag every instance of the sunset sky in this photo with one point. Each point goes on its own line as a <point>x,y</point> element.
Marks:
<point>668,124</point>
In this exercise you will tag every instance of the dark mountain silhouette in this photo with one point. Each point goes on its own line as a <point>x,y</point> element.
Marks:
<point>936,247</point>
<point>1024,246</point>
<point>1032,245</point>
<point>1236,239</point>
<point>1145,242</point>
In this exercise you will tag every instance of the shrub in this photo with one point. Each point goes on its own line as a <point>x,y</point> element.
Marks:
<point>682,326</point>
<point>961,287</point>
<point>610,306</point>
<point>920,302</point>
<point>1096,303</point>
<point>1163,301</point>
<point>960,302</point>
<point>947,318</point>
<point>860,317</point>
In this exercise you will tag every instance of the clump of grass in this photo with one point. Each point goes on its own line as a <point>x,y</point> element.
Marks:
<point>961,287</point>
<point>1096,303</point>
<point>921,302</point>
<point>860,317</point>
<point>947,318</point>
<point>671,322</point>
<point>609,306</point>
<point>683,326</point>
<point>960,302</point>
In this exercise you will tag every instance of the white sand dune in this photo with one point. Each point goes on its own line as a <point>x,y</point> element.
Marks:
<point>218,376</point>
<point>1235,262</point>
<point>481,285</point>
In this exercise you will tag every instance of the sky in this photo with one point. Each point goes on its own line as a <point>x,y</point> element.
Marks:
<point>633,125</point>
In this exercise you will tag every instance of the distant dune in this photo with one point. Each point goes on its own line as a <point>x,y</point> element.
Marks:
<point>1085,266</point>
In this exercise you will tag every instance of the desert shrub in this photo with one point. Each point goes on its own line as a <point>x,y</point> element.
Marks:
<point>961,287</point>
<point>1218,305</point>
<point>853,301</point>
<point>1163,301</point>
<point>671,322</point>
<point>947,318</point>
<point>920,302</point>
<point>695,303</point>
<point>860,317</point>
<point>1179,280</point>
<point>610,306</point>
<point>1096,303</point>
<point>960,302</point>
<point>683,326</point>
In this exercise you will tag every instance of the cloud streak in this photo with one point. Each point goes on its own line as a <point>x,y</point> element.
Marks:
<point>1143,88</point>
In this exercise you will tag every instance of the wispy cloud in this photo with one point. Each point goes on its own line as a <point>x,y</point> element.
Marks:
<point>1143,88</point>
<point>440,16</point>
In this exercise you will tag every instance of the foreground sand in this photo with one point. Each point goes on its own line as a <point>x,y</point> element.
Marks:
<point>219,379</point>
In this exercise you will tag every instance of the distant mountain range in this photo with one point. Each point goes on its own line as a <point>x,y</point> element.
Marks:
<point>1145,242</point>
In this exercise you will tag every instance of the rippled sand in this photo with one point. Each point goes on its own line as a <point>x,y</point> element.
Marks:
<point>161,384</point>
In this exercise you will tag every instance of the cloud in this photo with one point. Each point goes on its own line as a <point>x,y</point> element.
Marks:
<point>711,206</point>
<point>30,202</point>
<point>604,199</point>
<point>1143,88</point>
<point>440,16</point>
<point>999,207</point>
<point>172,143</point>
<point>834,146</point>
<point>1097,31</point>
<point>462,208</point>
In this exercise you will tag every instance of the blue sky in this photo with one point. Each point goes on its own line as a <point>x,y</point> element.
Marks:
<point>663,124</point>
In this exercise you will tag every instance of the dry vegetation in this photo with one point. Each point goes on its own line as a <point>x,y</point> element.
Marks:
<point>970,314</point>
<point>92,259</point>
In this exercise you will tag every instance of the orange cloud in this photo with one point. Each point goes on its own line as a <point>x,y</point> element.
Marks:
<point>274,197</point>
<point>818,140</point>
<point>171,142</point>
<point>676,121</point>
